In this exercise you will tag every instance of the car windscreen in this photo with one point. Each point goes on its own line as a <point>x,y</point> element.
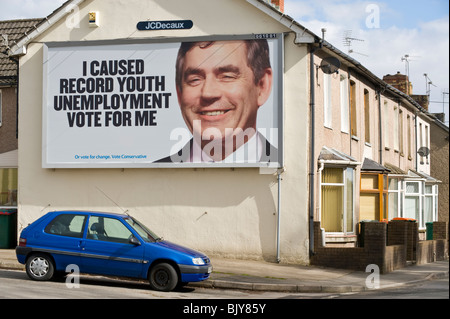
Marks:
<point>145,233</point>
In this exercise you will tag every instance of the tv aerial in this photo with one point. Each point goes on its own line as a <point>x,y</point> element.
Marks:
<point>347,41</point>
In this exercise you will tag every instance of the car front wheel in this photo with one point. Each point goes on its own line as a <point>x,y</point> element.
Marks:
<point>40,267</point>
<point>163,277</point>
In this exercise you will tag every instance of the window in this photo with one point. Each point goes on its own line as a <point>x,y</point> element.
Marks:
<point>8,187</point>
<point>366,116</point>
<point>337,194</point>
<point>69,225</point>
<point>108,229</point>
<point>400,128</point>
<point>353,121</point>
<point>374,197</point>
<point>409,137</point>
<point>395,198</point>
<point>327,107</point>
<point>395,126</point>
<point>430,204</point>
<point>344,104</point>
<point>412,200</point>
<point>386,124</point>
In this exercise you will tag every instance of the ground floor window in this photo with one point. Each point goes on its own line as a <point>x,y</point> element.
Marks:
<point>413,200</point>
<point>8,187</point>
<point>337,199</point>
<point>373,197</point>
<point>430,211</point>
<point>395,198</point>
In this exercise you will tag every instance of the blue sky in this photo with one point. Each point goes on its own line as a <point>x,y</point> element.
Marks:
<point>417,28</point>
<point>396,28</point>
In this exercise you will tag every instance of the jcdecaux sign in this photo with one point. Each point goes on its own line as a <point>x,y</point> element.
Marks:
<point>165,25</point>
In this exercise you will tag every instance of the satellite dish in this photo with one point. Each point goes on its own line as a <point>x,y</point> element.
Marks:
<point>423,151</point>
<point>330,65</point>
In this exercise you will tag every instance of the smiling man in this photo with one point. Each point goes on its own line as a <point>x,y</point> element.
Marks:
<point>220,87</point>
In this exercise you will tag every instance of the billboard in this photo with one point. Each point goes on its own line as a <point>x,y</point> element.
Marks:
<point>200,102</point>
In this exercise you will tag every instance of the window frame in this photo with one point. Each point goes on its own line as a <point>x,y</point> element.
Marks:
<point>353,110</point>
<point>367,137</point>
<point>71,234</point>
<point>9,193</point>
<point>327,101</point>
<point>345,103</point>
<point>345,189</point>
<point>109,238</point>
<point>381,191</point>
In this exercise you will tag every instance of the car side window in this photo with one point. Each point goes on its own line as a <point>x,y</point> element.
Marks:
<point>108,229</point>
<point>69,225</point>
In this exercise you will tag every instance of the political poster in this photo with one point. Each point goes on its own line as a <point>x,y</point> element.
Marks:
<point>203,102</point>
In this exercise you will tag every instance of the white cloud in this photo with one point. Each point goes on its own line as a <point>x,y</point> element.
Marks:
<point>23,9</point>
<point>427,43</point>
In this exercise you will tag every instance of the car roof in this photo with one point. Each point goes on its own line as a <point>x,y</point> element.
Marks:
<point>89,212</point>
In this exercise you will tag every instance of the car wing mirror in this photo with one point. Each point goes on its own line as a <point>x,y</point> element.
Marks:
<point>133,240</point>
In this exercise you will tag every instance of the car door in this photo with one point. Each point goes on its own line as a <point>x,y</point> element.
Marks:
<point>107,249</point>
<point>62,238</point>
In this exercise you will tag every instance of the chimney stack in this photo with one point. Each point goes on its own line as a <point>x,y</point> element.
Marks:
<point>279,4</point>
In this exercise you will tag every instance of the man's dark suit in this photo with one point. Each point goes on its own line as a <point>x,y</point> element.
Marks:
<point>269,154</point>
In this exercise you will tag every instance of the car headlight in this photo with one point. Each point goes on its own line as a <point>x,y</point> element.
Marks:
<point>198,261</point>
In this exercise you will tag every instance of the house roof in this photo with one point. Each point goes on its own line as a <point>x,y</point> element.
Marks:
<point>19,48</point>
<point>371,165</point>
<point>303,35</point>
<point>394,169</point>
<point>330,155</point>
<point>10,32</point>
<point>428,178</point>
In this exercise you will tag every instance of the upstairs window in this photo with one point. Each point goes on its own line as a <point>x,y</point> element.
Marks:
<point>353,121</point>
<point>366,116</point>
<point>344,104</point>
<point>327,105</point>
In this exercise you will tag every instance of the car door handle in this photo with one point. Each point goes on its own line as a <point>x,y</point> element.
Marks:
<point>81,244</point>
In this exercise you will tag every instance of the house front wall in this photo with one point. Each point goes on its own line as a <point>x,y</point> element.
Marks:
<point>222,211</point>
<point>360,120</point>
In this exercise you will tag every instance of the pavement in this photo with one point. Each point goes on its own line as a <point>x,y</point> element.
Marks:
<point>267,276</point>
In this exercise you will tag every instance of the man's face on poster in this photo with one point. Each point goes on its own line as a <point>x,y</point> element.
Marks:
<point>218,88</point>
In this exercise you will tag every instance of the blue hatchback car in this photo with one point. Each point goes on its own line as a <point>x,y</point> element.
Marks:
<point>107,244</point>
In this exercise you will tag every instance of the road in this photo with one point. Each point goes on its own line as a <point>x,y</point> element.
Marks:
<point>17,285</point>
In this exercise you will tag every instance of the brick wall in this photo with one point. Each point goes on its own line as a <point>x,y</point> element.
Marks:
<point>440,230</point>
<point>390,246</point>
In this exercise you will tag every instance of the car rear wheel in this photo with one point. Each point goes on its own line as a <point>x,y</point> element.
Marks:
<point>163,277</point>
<point>40,267</point>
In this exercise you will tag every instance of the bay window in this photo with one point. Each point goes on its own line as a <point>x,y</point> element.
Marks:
<point>337,199</point>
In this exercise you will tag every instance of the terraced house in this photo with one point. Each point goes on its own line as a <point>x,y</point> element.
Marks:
<point>232,129</point>
<point>10,31</point>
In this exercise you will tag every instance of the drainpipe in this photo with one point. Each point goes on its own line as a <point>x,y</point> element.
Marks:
<point>312,153</point>
<point>279,214</point>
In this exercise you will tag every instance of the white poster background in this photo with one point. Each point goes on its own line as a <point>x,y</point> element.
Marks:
<point>129,145</point>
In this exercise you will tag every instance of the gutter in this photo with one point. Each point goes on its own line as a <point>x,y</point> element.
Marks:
<point>302,34</point>
<point>20,47</point>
